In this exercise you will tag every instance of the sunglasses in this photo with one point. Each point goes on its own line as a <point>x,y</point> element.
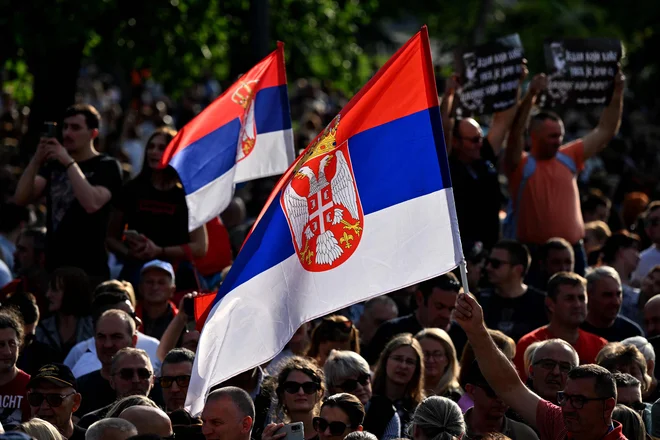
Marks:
<point>336,428</point>
<point>495,263</point>
<point>54,400</point>
<point>129,373</point>
<point>307,387</point>
<point>474,139</point>
<point>167,381</point>
<point>351,385</point>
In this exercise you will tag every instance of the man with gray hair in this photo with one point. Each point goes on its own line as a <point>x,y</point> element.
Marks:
<point>645,347</point>
<point>111,429</point>
<point>376,312</point>
<point>605,298</point>
<point>228,415</point>
<point>548,371</point>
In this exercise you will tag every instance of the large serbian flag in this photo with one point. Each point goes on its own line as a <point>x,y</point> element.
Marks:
<point>245,134</point>
<point>367,209</point>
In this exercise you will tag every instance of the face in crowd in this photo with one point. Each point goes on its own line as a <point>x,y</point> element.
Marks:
<point>437,309</point>
<point>605,299</point>
<point>54,404</point>
<point>112,334</point>
<point>583,409</point>
<point>549,369</point>
<point>132,375</point>
<point>174,380</point>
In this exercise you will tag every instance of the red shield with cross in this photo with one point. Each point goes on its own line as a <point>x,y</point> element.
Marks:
<point>323,209</point>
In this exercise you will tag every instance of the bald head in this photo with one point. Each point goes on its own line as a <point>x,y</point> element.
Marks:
<point>111,429</point>
<point>652,317</point>
<point>467,140</point>
<point>148,420</point>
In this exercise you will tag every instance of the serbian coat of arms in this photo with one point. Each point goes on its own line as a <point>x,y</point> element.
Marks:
<point>244,96</point>
<point>322,205</point>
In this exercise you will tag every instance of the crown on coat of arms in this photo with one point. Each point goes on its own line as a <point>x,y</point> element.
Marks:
<point>326,142</point>
<point>244,93</point>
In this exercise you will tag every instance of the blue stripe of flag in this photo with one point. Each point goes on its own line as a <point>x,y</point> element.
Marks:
<point>393,163</point>
<point>271,110</point>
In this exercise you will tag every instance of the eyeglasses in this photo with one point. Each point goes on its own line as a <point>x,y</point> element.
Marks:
<point>404,360</point>
<point>577,401</point>
<point>336,428</point>
<point>351,385</point>
<point>434,354</point>
<point>495,263</point>
<point>307,387</point>
<point>550,364</point>
<point>53,399</point>
<point>129,373</point>
<point>167,381</point>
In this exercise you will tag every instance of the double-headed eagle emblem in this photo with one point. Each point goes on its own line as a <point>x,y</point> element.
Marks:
<point>322,205</point>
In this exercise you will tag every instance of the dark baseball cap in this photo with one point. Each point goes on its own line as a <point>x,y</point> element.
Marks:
<point>57,374</point>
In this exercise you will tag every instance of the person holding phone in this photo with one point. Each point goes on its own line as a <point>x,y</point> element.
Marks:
<point>150,219</point>
<point>299,392</point>
<point>79,182</point>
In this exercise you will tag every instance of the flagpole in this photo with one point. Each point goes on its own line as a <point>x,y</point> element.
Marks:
<point>464,279</point>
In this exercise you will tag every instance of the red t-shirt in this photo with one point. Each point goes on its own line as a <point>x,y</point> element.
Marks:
<point>14,407</point>
<point>550,424</point>
<point>587,346</point>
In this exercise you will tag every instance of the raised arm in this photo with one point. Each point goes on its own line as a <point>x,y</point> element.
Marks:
<point>502,121</point>
<point>496,368</point>
<point>446,106</point>
<point>516,142</point>
<point>31,185</point>
<point>610,121</point>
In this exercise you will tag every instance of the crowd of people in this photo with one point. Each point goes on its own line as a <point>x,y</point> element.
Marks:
<point>556,337</point>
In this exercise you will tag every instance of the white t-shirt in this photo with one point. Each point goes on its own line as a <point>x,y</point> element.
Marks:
<point>82,358</point>
<point>648,259</point>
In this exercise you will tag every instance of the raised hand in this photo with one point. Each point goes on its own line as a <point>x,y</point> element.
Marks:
<point>468,313</point>
<point>538,84</point>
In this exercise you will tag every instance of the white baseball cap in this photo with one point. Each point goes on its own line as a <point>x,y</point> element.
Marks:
<point>159,264</point>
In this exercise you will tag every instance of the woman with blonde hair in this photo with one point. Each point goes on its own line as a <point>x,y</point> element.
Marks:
<point>399,375</point>
<point>334,332</point>
<point>440,364</point>
<point>299,391</point>
<point>40,430</point>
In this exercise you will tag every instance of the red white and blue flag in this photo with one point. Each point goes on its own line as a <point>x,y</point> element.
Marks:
<point>244,134</point>
<point>367,209</point>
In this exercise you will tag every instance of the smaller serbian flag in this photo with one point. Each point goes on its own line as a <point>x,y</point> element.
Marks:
<point>243,135</point>
<point>366,210</point>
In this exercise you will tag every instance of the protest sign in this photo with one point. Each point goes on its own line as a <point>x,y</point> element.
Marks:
<point>491,76</point>
<point>580,71</point>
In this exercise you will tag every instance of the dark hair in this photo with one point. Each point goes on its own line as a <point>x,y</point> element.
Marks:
<point>360,435</point>
<point>625,380</point>
<point>169,134</point>
<point>9,318</point>
<point>543,116</point>
<point>632,424</point>
<point>335,328</point>
<point>564,279</point>
<point>92,116</point>
<point>116,286</point>
<point>348,403</point>
<point>239,398</point>
<point>447,282</point>
<point>108,301</point>
<point>555,244</point>
<point>177,356</point>
<point>305,366</point>
<point>604,386</point>
<point>503,342</point>
<point>618,240</point>
<point>26,304</point>
<point>76,292</point>
<point>518,253</point>
<point>12,215</point>
<point>593,199</point>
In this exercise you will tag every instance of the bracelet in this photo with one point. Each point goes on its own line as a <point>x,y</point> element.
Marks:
<point>69,165</point>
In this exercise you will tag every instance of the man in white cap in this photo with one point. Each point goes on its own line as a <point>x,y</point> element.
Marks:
<point>156,309</point>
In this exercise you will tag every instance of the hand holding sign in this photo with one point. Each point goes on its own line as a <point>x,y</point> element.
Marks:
<point>539,84</point>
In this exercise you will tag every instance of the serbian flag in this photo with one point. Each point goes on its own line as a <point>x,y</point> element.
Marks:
<point>244,134</point>
<point>365,210</point>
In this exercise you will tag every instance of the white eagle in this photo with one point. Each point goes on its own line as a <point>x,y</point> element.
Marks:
<point>343,193</point>
<point>248,131</point>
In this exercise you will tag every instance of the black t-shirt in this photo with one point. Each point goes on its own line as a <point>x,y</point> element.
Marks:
<point>621,329</point>
<point>96,393</point>
<point>478,197</point>
<point>515,317</point>
<point>34,356</point>
<point>74,237</point>
<point>78,433</point>
<point>162,216</point>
